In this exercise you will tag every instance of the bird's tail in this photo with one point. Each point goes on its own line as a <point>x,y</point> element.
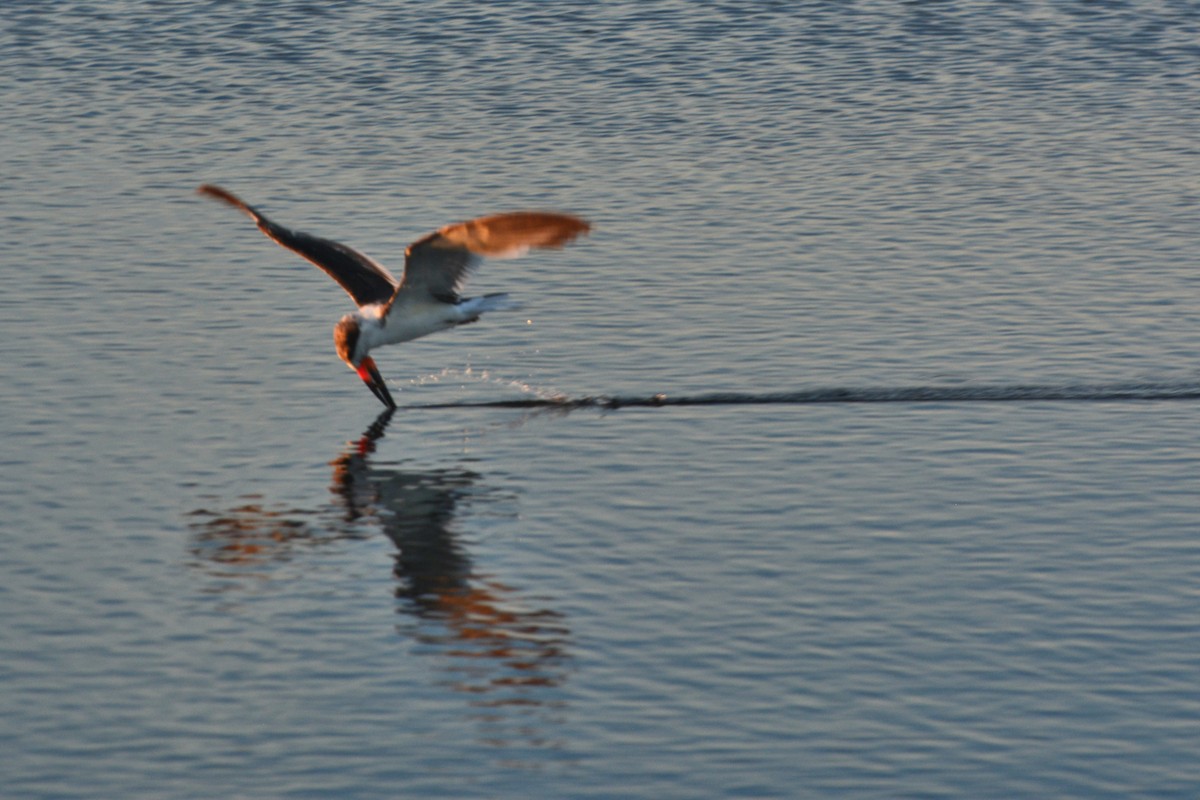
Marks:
<point>489,302</point>
<point>473,307</point>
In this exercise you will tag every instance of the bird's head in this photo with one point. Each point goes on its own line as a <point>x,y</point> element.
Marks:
<point>353,350</point>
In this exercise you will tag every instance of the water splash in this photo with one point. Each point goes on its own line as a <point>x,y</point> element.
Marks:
<point>537,396</point>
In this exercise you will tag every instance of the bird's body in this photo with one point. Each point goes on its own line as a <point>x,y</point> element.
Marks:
<point>426,301</point>
<point>413,317</point>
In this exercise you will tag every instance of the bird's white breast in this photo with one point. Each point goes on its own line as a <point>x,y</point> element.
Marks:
<point>409,320</point>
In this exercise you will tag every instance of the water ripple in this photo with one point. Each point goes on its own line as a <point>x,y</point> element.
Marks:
<point>902,394</point>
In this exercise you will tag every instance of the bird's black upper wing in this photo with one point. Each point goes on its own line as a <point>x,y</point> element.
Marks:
<point>364,279</point>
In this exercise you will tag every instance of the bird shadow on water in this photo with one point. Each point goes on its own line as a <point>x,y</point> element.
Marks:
<point>500,647</point>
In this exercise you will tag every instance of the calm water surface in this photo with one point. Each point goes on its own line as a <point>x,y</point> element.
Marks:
<point>222,575</point>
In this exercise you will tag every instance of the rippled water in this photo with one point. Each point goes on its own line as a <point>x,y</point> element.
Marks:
<point>853,454</point>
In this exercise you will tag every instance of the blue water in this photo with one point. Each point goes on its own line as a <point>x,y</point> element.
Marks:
<point>221,574</point>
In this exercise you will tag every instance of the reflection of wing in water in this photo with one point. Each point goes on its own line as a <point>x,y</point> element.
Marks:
<point>498,642</point>
<point>255,540</point>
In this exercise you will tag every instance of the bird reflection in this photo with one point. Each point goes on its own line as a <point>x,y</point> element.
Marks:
<point>502,647</point>
<point>497,645</point>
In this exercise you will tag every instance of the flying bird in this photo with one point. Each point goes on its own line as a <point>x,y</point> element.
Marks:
<point>427,299</point>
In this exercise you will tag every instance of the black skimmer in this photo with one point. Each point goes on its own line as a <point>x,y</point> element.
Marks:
<point>427,299</point>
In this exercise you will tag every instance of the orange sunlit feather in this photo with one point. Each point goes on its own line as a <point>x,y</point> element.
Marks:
<point>505,234</point>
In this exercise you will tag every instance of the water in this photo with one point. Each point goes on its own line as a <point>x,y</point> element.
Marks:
<point>222,575</point>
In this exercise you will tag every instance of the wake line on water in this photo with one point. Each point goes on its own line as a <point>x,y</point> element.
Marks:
<point>910,394</point>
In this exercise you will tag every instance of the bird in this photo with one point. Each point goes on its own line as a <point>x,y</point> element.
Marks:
<point>426,300</point>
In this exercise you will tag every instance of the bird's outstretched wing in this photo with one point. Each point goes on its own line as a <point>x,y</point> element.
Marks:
<point>364,279</point>
<point>438,264</point>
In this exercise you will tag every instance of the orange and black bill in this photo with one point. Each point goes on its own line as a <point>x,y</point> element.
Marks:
<point>374,381</point>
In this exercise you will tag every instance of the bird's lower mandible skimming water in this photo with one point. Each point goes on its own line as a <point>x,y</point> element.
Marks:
<point>427,299</point>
